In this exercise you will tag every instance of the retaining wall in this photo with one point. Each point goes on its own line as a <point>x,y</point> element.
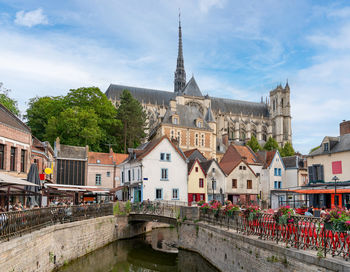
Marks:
<point>230,251</point>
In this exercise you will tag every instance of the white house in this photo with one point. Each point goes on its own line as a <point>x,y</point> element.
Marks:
<point>156,170</point>
<point>215,180</point>
<point>272,178</point>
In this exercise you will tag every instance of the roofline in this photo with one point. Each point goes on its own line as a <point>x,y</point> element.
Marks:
<point>14,116</point>
<point>196,160</point>
<point>245,164</point>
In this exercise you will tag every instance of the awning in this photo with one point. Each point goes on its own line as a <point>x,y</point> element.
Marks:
<point>321,191</point>
<point>7,180</point>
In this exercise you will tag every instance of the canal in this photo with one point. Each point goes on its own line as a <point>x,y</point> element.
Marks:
<point>154,251</point>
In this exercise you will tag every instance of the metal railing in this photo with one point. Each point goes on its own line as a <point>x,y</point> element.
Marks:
<point>300,232</point>
<point>16,223</point>
<point>161,208</point>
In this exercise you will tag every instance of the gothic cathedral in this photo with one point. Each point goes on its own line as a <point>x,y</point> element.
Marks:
<point>207,123</point>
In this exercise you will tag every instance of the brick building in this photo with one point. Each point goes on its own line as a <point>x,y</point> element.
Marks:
<point>15,143</point>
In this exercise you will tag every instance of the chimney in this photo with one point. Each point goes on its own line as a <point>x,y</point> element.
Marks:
<point>344,127</point>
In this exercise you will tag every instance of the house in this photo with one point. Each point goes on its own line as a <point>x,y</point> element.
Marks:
<point>215,179</point>
<point>15,144</point>
<point>193,154</point>
<point>329,171</point>
<point>71,164</point>
<point>242,182</point>
<point>43,156</point>
<point>296,171</point>
<point>197,182</point>
<point>156,170</point>
<point>102,169</point>
<point>272,178</point>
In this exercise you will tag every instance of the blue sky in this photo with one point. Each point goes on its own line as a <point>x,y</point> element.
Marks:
<point>235,49</point>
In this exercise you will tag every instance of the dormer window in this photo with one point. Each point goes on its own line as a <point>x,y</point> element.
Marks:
<point>325,147</point>
<point>175,119</point>
<point>199,124</point>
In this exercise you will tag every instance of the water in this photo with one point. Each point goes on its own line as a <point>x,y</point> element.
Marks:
<point>153,251</point>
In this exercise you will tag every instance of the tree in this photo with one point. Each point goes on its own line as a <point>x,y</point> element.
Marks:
<point>9,103</point>
<point>287,150</point>
<point>271,144</point>
<point>313,149</point>
<point>133,120</point>
<point>254,145</point>
<point>40,110</point>
<point>75,126</point>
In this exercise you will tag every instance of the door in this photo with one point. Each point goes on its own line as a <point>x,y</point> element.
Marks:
<point>190,199</point>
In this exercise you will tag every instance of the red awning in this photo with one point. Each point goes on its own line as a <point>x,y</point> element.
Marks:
<point>321,191</point>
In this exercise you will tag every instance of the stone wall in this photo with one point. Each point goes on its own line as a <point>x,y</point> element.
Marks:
<point>230,251</point>
<point>47,248</point>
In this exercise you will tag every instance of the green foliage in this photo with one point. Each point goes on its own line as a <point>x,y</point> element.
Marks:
<point>84,116</point>
<point>287,150</point>
<point>75,126</point>
<point>271,144</point>
<point>116,209</point>
<point>254,145</point>
<point>128,207</point>
<point>133,119</point>
<point>8,102</point>
<point>313,149</point>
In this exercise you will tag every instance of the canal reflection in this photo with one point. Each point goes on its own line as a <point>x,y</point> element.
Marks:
<point>154,251</point>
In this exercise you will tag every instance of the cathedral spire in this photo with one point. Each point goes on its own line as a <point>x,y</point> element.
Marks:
<point>180,74</point>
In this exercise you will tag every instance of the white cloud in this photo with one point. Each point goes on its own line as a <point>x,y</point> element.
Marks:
<point>206,5</point>
<point>31,18</point>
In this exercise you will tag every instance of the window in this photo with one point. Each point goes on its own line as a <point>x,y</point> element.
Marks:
<point>279,171</point>
<point>23,160</point>
<point>201,183</point>
<point>279,184</point>
<point>276,173</point>
<point>325,147</point>
<point>98,179</point>
<point>196,168</point>
<point>194,198</point>
<point>202,139</point>
<point>199,124</point>
<point>2,156</point>
<point>165,156</point>
<point>240,167</point>
<point>168,156</point>
<point>175,120</point>
<point>175,193</point>
<point>172,134</point>
<point>213,170</point>
<point>162,156</point>
<point>316,173</point>
<point>159,193</point>
<point>201,197</point>
<point>164,174</point>
<point>276,185</point>
<point>129,176</point>
<point>122,176</point>
<point>178,137</point>
<point>138,173</point>
<point>133,174</point>
<point>244,168</point>
<point>213,184</point>
<point>249,184</point>
<point>196,139</point>
<point>13,159</point>
<point>234,183</point>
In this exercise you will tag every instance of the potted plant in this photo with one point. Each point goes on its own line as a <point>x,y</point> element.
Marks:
<point>204,207</point>
<point>337,220</point>
<point>215,206</point>
<point>283,215</point>
<point>251,213</point>
<point>230,209</point>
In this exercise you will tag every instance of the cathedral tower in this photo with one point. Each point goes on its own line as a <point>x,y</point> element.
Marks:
<point>280,114</point>
<point>180,74</point>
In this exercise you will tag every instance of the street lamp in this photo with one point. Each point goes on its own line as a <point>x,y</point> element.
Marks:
<point>335,178</point>
<point>213,185</point>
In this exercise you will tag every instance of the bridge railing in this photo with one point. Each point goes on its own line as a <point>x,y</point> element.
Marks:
<point>16,223</point>
<point>162,208</point>
<point>299,232</point>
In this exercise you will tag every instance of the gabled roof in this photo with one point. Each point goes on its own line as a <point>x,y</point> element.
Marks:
<point>337,144</point>
<point>193,154</point>
<point>144,149</point>
<point>9,119</point>
<point>192,163</point>
<point>266,157</point>
<point>192,88</point>
<point>234,155</point>
<point>206,165</point>
<point>119,157</point>
<point>107,158</point>
<point>72,152</point>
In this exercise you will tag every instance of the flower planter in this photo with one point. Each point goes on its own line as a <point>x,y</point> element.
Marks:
<point>339,227</point>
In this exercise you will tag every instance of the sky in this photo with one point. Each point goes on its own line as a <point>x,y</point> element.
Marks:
<point>235,49</point>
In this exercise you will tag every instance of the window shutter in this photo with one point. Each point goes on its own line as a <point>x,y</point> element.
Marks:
<point>322,173</point>
<point>311,174</point>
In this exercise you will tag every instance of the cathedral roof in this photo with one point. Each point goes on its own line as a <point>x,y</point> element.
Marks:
<point>209,115</point>
<point>141,94</point>
<point>237,107</point>
<point>192,88</point>
<point>187,116</point>
<point>158,97</point>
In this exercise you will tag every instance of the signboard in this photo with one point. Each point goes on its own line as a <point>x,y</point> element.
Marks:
<point>145,178</point>
<point>336,167</point>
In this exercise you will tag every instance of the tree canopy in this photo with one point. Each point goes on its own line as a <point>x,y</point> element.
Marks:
<point>10,103</point>
<point>271,144</point>
<point>254,145</point>
<point>287,150</point>
<point>133,120</point>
